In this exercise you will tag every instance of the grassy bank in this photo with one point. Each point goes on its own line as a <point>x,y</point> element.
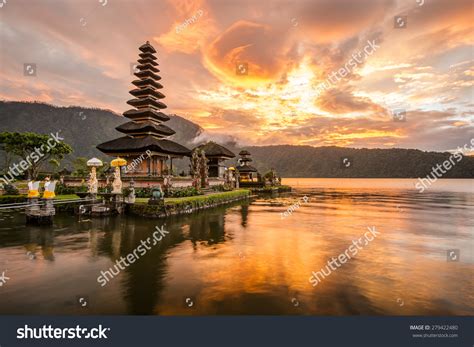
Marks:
<point>174,206</point>
<point>276,189</point>
<point>202,199</point>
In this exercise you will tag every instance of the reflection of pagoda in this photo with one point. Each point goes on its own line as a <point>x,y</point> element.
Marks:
<point>247,172</point>
<point>146,143</point>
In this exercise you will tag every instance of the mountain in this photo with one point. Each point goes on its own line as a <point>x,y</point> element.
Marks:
<point>307,161</point>
<point>84,128</point>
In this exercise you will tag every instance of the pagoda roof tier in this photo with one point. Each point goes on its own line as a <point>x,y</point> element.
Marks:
<point>214,150</point>
<point>147,74</point>
<point>147,48</point>
<point>147,91</point>
<point>145,114</point>
<point>127,144</point>
<point>245,160</point>
<point>147,82</point>
<point>244,152</point>
<point>145,128</point>
<point>246,168</point>
<point>147,56</point>
<point>146,102</point>
<point>148,61</point>
<point>147,66</point>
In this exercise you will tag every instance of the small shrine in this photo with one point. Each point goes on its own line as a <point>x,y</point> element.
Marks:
<point>247,172</point>
<point>216,155</point>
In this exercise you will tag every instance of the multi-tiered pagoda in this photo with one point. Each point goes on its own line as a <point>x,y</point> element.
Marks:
<point>146,144</point>
<point>247,172</point>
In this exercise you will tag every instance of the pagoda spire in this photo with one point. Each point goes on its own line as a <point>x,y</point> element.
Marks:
<point>146,94</point>
<point>146,133</point>
<point>146,116</point>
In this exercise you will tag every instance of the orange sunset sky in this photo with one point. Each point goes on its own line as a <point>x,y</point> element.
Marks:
<point>83,50</point>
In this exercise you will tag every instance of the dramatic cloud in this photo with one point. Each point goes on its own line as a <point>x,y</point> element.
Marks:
<point>247,52</point>
<point>258,72</point>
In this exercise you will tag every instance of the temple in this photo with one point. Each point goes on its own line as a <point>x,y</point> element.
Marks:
<point>216,155</point>
<point>146,143</point>
<point>247,172</point>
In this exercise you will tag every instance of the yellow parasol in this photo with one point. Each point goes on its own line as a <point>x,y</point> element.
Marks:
<point>118,162</point>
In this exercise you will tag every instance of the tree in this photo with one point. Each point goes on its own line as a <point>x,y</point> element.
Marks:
<point>33,149</point>
<point>80,167</point>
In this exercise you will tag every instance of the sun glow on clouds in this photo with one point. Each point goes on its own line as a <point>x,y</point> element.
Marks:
<point>290,49</point>
<point>290,103</point>
<point>279,104</point>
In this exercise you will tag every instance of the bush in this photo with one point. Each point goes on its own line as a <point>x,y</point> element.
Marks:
<point>143,193</point>
<point>183,192</point>
<point>221,188</point>
<point>12,199</point>
<point>62,189</point>
<point>82,189</point>
<point>10,189</point>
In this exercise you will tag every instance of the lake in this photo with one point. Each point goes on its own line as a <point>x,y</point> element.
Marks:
<point>253,258</point>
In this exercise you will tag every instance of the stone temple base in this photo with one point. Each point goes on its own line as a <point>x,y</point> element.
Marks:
<point>101,210</point>
<point>39,219</point>
<point>40,215</point>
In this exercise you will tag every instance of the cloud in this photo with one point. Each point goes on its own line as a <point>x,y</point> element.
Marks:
<point>193,25</point>
<point>326,21</point>
<point>258,46</point>
<point>342,100</point>
<point>289,48</point>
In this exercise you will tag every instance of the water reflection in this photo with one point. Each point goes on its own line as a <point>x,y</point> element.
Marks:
<point>247,259</point>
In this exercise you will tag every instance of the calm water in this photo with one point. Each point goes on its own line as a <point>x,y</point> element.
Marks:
<point>247,259</point>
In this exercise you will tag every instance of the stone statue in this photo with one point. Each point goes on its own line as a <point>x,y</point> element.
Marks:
<point>204,171</point>
<point>157,192</point>
<point>231,178</point>
<point>157,196</point>
<point>196,170</point>
<point>274,177</point>
<point>227,176</point>
<point>117,183</point>
<point>167,183</point>
<point>130,198</point>
<point>92,183</point>
<point>237,179</point>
